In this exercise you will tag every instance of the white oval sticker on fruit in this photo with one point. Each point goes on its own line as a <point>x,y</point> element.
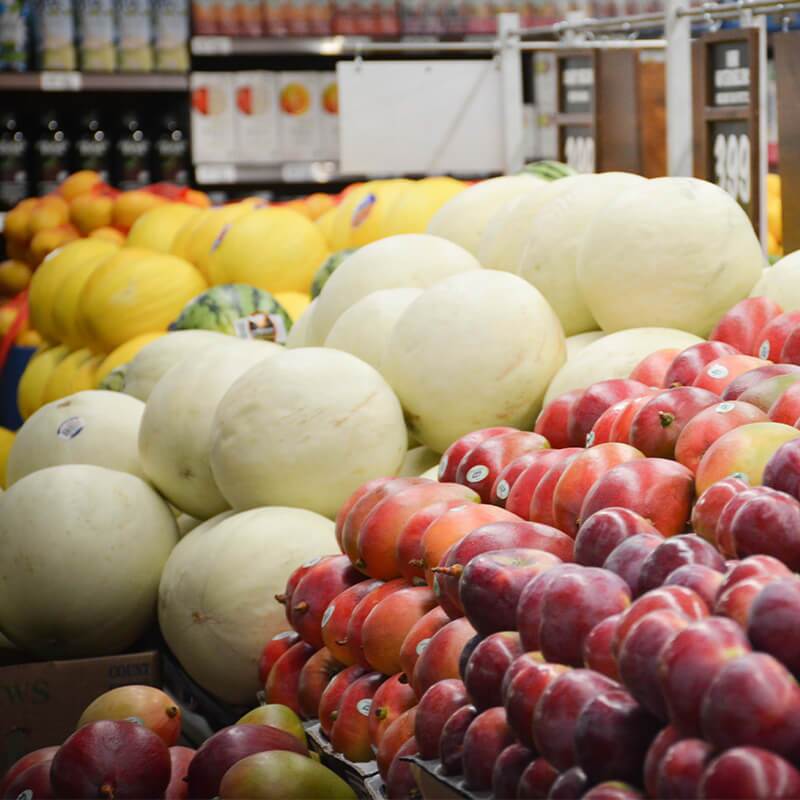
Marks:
<point>717,371</point>
<point>422,645</point>
<point>282,635</point>
<point>724,408</point>
<point>70,428</point>
<point>326,617</point>
<point>763,349</point>
<point>590,437</point>
<point>503,489</point>
<point>477,473</point>
<point>442,467</point>
<point>311,562</point>
<point>363,706</point>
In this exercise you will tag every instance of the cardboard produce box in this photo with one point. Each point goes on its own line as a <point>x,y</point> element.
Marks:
<point>40,703</point>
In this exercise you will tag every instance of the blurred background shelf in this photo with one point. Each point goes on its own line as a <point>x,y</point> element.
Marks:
<point>93,82</point>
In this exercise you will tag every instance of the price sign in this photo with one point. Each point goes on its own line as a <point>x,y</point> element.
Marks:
<point>787,80</point>
<point>726,116</point>
<point>60,81</point>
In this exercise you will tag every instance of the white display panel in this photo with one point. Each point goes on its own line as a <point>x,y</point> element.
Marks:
<point>427,117</point>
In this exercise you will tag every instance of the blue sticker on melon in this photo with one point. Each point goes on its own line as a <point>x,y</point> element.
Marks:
<point>327,269</point>
<point>237,310</point>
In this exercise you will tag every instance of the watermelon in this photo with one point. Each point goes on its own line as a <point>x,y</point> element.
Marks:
<point>115,380</point>
<point>549,170</point>
<point>236,309</point>
<point>327,269</point>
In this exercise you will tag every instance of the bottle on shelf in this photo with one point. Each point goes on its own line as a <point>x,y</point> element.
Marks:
<point>133,151</point>
<point>171,31</point>
<point>54,21</point>
<point>14,161</point>
<point>135,32</point>
<point>93,146</point>
<point>14,35</point>
<point>171,152</point>
<point>96,30</point>
<point>53,154</point>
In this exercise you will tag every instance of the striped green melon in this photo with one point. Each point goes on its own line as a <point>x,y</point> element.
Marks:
<point>236,309</point>
<point>549,170</point>
<point>327,269</point>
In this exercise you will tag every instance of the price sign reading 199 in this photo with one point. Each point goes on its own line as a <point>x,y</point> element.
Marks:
<point>579,149</point>
<point>731,158</point>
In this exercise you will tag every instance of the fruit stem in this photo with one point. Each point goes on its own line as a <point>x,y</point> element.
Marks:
<point>172,712</point>
<point>281,598</point>
<point>454,571</point>
<point>665,418</point>
<point>301,607</point>
<point>381,713</point>
<point>416,562</point>
<point>107,790</point>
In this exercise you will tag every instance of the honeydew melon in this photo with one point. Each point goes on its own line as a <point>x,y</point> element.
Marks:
<point>781,282</point>
<point>579,341</point>
<point>300,334</point>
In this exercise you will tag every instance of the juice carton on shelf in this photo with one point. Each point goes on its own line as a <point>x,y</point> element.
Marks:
<point>255,118</point>
<point>204,17</point>
<point>344,17</point>
<point>388,18</point>
<point>321,18</point>
<point>275,16</point>
<point>328,101</point>
<point>55,28</point>
<point>135,32</point>
<point>248,18</point>
<point>298,116</point>
<point>365,18</point>
<point>480,17</point>
<point>299,17</point>
<point>227,18</point>
<point>97,34</point>
<point>171,27</point>
<point>14,36</point>
<point>212,117</point>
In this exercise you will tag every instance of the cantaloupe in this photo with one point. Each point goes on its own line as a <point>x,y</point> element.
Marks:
<point>672,252</point>
<point>475,350</point>
<point>305,428</point>
<point>216,602</point>
<point>94,427</point>
<point>93,543</point>
<point>614,356</point>
<point>175,435</point>
<point>398,262</point>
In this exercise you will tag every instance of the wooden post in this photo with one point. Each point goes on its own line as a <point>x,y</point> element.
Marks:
<point>787,72</point>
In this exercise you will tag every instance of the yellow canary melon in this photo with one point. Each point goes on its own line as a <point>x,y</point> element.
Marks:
<point>61,379</point>
<point>45,286</point>
<point>32,384</point>
<point>123,354</point>
<point>14,276</point>
<point>6,440</point>
<point>414,207</point>
<point>326,225</point>
<point>108,234</point>
<point>157,228</point>
<point>272,248</point>
<point>143,295</point>
<point>294,303</point>
<point>83,378</point>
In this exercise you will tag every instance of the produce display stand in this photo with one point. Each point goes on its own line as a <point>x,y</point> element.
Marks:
<point>435,785</point>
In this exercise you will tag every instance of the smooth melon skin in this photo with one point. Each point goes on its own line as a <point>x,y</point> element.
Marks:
<point>216,599</point>
<point>476,350</point>
<point>549,258</point>
<point>506,234</point>
<point>418,461</point>
<point>93,542</point>
<point>92,427</point>
<point>364,328</point>
<point>153,360</point>
<point>673,252</point>
<point>175,434</point>
<point>301,330</point>
<point>781,282</point>
<point>413,260</point>
<point>305,429</point>
<point>614,356</point>
<point>464,219</point>
<point>580,341</point>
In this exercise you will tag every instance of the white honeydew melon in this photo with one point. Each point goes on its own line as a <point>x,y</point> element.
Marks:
<point>300,332</point>
<point>549,258</point>
<point>464,218</point>
<point>175,435</point>
<point>187,524</point>
<point>431,474</point>
<point>305,428</point>
<point>92,427</point>
<point>418,461</point>
<point>365,327</point>
<point>476,350</point>
<point>81,559</point>
<point>673,252</point>
<point>580,341</point>
<point>217,603</point>
<point>506,234</point>
<point>153,361</point>
<point>614,356</point>
<point>781,282</point>
<point>407,261</point>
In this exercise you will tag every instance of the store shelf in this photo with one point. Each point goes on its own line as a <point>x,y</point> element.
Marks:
<point>288,172</point>
<point>93,82</point>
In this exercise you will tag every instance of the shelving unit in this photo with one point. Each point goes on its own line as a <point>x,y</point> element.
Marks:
<point>93,82</point>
